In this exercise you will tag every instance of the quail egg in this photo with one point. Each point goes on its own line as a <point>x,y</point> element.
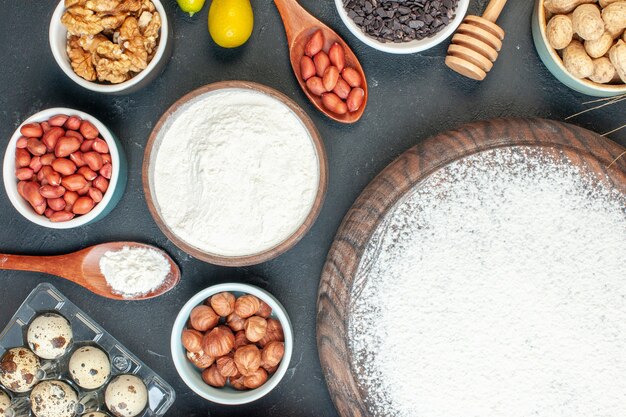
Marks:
<point>18,369</point>
<point>5,403</point>
<point>90,367</point>
<point>95,414</point>
<point>53,399</point>
<point>49,336</point>
<point>126,396</point>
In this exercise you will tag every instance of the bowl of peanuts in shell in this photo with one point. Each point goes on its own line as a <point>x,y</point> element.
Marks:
<point>64,169</point>
<point>583,43</point>
<point>232,343</point>
<point>111,46</point>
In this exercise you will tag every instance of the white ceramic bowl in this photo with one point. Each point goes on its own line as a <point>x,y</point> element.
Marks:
<point>117,183</point>
<point>404,47</point>
<point>58,40</point>
<point>192,375</point>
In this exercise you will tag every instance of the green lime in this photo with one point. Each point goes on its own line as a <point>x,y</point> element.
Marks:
<point>190,6</point>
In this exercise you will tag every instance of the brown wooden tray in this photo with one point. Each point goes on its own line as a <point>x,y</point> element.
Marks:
<point>583,147</point>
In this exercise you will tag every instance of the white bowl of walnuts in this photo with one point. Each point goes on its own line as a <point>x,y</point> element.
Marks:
<point>232,343</point>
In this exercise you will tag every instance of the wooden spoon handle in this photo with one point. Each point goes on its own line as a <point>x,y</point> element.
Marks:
<point>493,10</point>
<point>294,17</point>
<point>62,265</point>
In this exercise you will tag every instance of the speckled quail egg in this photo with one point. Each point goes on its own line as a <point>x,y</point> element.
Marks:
<point>126,396</point>
<point>90,367</point>
<point>53,399</point>
<point>18,369</point>
<point>5,403</point>
<point>49,336</point>
<point>95,414</point>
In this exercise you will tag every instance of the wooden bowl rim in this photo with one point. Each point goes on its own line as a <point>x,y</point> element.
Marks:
<point>543,24</point>
<point>382,193</point>
<point>276,250</point>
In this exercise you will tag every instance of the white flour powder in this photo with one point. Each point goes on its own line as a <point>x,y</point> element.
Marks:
<point>496,289</point>
<point>236,173</point>
<point>134,271</point>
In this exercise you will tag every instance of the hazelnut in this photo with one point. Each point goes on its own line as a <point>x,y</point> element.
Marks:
<point>235,322</point>
<point>212,377</point>
<point>237,383</point>
<point>248,359</point>
<point>272,353</point>
<point>218,342</point>
<point>223,303</point>
<point>192,340</point>
<point>255,328</point>
<point>200,359</point>
<point>255,379</point>
<point>203,318</point>
<point>241,339</point>
<point>274,332</point>
<point>226,366</point>
<point>270,369</point>
<point>247,305</point>
<point>264,310</point>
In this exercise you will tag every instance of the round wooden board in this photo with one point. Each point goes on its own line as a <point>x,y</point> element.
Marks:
<point>583,147</point>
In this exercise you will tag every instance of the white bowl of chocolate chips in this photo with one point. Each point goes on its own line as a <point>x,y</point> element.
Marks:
<point>402,26</point>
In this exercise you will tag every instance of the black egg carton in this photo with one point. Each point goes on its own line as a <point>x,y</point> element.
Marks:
<point>47,299</point>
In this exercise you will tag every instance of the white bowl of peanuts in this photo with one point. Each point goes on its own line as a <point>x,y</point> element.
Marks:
<point>251,350</point>
<point>63,169</point>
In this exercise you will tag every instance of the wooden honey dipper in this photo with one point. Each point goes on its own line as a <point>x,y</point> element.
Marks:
<point>476,43</point>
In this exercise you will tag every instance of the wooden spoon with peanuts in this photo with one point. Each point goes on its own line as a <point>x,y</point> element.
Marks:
<point>83,268</point>
<point>300,26</point>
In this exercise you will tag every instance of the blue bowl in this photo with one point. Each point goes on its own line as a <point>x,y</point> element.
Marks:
<point>553,62</point>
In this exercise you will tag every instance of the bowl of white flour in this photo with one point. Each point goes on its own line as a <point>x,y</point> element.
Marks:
<point>235,173</point>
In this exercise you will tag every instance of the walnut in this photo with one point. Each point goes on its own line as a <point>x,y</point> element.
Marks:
<point>132,42</point>
<point>82,21</point>
<point>150,29</point>
<point>81,60</point>
<point>112,65</point>
<point>113,7</point>
<point>90,43</point>
<point>147,6</point>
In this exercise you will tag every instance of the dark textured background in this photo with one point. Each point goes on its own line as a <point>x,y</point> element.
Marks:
<point>411,98</point>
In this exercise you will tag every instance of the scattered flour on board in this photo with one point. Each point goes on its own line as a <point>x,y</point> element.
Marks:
<point>497,288</point>
<point>134,271</point>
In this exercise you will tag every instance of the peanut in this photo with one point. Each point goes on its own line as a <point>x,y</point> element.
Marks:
<point>331,75</point>
<point>24,174</point>
<point>31,194</point>
<point>51,137</point>
<point>352,77</point>
<point>86,146</point>
<point>564,6</point>
<point>355,99</point>
<point>31,130</point>
<point>100,146</point>
<point>70,197</point>
<point>576,60</point>
<point>88,173</point>
<point>64,166</point>
<point>604,3</point>
<point>106,171</point>
<point>88,130</point>
<point>47,159</point>
<point>72,123</point>
<point>22,158</point>
<point>560,31</point>
<point>106,158</point>
<point>61,216</point>
<point>307,67</point>
<point>74,182</point>
<point>85,190</point>
<point>58,120</point>
<point>95,195</point>
<point>77,158</point>
<point>599,47</point>
<point>101,183</point>
<point>35,146</point>
<point>315,44</point>
<point>56,204</point>
<point>614,15</point>
<point>51,191</point>
<point>333,103</point>
<point>321,62</point>
<point>35,164</point>
<point>315,85</point>
<point>66,145</point>
<point>337,56</point>
<point>94,160</point>
<point>587,22</point>
<point>21,142</point>
<point>45,126</point>
<point>49,212</point>
<point>617,55</point>
<point>83,205</point>
<point>75,134</point>
<point>342,89</point>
